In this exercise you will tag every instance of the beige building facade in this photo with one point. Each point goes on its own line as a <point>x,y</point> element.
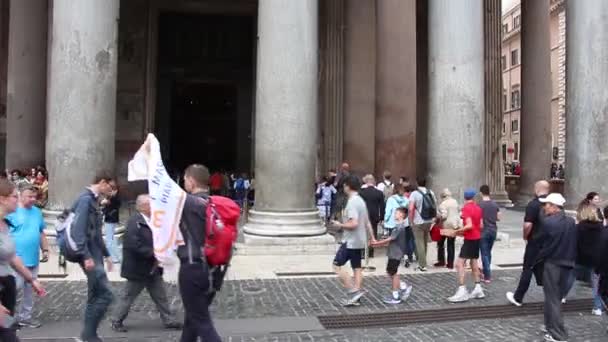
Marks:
<point>512,85</point>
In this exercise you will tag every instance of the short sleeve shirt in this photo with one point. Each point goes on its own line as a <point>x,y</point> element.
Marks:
<point>490,214</point>
<point>26,226</point>
<point>416,197</point>
<point>356,210</point>
<point>398,244</point>
<point>472,211</point>
<point>534,215</point>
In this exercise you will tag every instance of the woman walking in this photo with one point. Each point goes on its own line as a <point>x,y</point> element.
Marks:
<point>589,230</point>
<point>9,262</point>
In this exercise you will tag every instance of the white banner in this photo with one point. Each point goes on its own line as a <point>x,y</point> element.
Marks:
<point>166,198</point>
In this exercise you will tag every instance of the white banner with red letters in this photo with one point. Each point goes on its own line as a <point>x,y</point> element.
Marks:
<point>166,198</point>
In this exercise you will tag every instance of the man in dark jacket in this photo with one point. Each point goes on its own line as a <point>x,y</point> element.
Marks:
<point>532,232</point>
<point>86,231</point>
<point>194,282</point>
<point>558,256</point>
<point>374,200</point>
<point>141,269</point>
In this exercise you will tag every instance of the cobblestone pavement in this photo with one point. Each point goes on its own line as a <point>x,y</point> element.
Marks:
<point>296,297</point>
<point>582,328</point>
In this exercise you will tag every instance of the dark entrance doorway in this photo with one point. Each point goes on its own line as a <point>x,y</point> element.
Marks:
<point>205,91</point>
<point>204,120</point>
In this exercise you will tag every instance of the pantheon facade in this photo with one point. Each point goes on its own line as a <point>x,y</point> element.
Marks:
<point>287,89</point>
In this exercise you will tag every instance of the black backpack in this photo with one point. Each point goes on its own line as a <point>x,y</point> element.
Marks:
<point>429,207</point>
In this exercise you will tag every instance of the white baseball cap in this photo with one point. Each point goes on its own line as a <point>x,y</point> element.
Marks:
<point>554,198</point>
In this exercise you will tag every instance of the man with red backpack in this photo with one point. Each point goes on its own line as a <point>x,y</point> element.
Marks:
<point>195,285</point>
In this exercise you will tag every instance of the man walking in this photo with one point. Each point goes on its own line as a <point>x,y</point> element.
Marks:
<point>533,234</point>
<point>558,256</point>
<point>355,225</point>
<point>141,269</point>
<point>423,209</point>
<point>27,231</point>
<point>194,280</point>
<point>374,200</point>
<point>471,231</point>
<point>491,214</point>
<point>86,231</point>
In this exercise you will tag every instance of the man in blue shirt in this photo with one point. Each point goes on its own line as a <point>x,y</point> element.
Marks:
<point>27,231</point>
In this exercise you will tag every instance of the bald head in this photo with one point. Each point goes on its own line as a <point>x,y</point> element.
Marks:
<point>142,204</point>
<point>542,187</point>
<point>345,167</point>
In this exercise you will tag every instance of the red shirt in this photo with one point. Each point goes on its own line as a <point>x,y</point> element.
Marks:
<point>473,211</point>
<point>216,181</point>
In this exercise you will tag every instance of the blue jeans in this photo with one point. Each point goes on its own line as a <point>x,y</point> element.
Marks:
<point>488,236</point>
<point>110,240</point>
<point>99,298</point>
<point>595,283</point>
<point>25,300</point>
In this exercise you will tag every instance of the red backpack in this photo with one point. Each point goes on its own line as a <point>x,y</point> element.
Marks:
<point>222,216</point>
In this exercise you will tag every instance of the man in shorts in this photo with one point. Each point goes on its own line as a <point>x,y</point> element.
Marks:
<point>355,225</point>
<point>397,245</point>
<point>472,219</point>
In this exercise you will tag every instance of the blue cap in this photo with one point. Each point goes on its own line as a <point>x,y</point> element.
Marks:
<point>469,194</point>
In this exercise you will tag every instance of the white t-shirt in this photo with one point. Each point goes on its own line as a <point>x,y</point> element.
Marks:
<point>416,197</point>
<point>382,185</point>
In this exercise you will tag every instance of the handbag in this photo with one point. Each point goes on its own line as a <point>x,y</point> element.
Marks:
<point>436,232</point>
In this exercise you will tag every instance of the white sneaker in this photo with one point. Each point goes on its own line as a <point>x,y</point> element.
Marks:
<point>461,295</point>
<point>477,292</point>
<point>563,300</point>
<point>511,299</point>
<point>405,294</point>
<point>596,312</point>
<point>549,338</point>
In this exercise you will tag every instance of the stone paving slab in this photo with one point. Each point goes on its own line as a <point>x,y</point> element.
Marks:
<point>296,297</point>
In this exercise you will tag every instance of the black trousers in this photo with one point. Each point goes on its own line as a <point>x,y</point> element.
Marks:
<point>194,289</point>
<point>8,298</point>
<point>441,250</point>
<point>530,256</point>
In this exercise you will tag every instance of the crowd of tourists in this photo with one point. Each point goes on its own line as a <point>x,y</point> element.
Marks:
<point>36,176</point>
<point>405,217</point>
<point>237,186</point>
<point>22,239</point>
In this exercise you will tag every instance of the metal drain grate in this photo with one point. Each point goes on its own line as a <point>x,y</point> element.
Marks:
<point>401,318</point>
<point>510,265</point>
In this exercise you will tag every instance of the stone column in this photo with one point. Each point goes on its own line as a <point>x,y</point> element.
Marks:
<point>331,70</point>
<point>81,95</point>
<point>536,95</point>
<point>587,98</point>
<point>26,83</point>
<point>561,82</point>
<point>494,169</point>
<point>286,122</point>
<point>456,96</point>
<point>360,85</point>
<point>396,87</point>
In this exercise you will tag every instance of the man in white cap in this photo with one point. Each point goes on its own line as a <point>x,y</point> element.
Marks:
<point>558,256</point>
